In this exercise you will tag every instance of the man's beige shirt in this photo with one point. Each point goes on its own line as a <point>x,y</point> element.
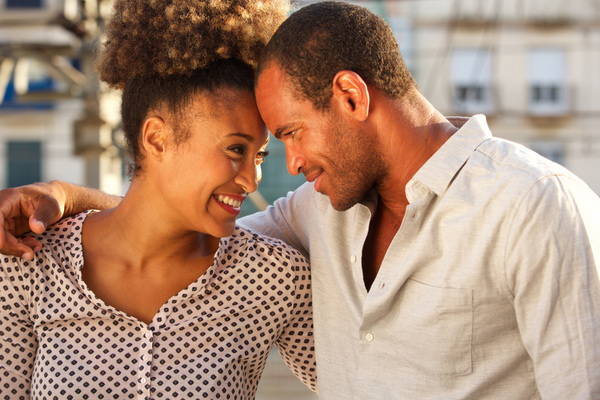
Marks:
<point>489,290</point>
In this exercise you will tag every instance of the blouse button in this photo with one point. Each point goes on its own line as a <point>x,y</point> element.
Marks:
<point>353,259</point>
<point>369,337</point>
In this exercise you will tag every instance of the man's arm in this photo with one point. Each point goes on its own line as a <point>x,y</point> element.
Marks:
<point>288,219</point>
<point>34,207</point>
<point>553,257</point>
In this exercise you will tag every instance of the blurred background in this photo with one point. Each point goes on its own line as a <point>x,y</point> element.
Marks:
<point>531,66</point>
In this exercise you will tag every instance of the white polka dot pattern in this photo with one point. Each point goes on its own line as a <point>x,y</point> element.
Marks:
<point>210,341</point>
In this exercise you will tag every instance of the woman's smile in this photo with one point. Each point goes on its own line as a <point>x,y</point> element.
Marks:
<point>230,202</point>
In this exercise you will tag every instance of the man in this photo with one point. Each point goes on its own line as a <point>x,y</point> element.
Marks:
<point>446,263</point>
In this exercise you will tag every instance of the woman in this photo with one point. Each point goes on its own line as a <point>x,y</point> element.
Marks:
<point>146,299</point>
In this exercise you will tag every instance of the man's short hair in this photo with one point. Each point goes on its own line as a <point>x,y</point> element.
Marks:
<point>319,40</point>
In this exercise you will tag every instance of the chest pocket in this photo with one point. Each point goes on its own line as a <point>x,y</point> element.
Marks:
<point>434,329</point>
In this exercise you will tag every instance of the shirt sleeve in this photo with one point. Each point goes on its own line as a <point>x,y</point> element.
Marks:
<point>296,342</point>
<point>553,256</point>
<point>288,219</point>
<point>18,343</point>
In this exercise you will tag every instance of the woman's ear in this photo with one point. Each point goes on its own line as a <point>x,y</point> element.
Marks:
<point>154,137</point>
<point>351,93</point>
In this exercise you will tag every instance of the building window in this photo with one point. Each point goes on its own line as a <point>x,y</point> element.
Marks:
<point>24,163</point>
<point>471,78</point>
<point>545,94</point>
<point>470,94</point>
<point>23,3</point>
<point>548,94</point>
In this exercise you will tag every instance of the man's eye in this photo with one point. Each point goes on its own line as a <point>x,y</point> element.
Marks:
<point>260,157</point>
<point>290,134</point>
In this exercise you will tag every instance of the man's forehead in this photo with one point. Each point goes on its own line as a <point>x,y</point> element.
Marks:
<point>272,76</point>
<point>273,90</point>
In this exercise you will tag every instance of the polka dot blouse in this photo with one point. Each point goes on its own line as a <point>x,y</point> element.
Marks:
<point>58,340</point>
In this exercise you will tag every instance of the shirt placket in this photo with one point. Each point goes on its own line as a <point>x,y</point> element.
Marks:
<point>146,340</point>
<point>378,299</point>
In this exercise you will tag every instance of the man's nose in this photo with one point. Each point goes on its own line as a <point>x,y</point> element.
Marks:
<point>295,160</point>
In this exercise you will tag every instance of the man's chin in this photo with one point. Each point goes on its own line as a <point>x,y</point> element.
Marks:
<point>344,196</point>
<point>342,204</point>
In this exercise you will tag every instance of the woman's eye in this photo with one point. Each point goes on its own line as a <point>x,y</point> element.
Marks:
<point>260,157</point>
<point>238,149</point>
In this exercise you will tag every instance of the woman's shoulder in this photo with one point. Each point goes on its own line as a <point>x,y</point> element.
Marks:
<point>61,248</point>
<point>61,242</point>
<point>64,232</point>
<point>255,245</point>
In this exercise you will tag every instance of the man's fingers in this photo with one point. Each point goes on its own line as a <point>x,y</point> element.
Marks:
<point>29,207</point>
<point>32,243</point>
<point>18,248</point>
<point>46,213</point>
<point>2,232</point>
<point>37,224</point>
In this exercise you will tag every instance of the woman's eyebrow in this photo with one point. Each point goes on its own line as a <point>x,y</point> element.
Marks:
<point>246,136</point>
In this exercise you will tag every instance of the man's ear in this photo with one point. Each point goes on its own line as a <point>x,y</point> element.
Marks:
<point>154,137</point>
<point>351,93</point>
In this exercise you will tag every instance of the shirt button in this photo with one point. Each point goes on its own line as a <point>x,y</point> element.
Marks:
<point>143,380</point>
<point>145,357</point>
<point>353,259</point>
<point>148,335</point>
<point>369,337</point>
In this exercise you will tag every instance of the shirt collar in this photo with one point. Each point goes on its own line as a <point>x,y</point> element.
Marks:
<point>437,173</point>
<point>370,201</point>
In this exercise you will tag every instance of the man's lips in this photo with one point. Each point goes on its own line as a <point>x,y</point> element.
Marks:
<point>312,175</point>
<point>315,175</point>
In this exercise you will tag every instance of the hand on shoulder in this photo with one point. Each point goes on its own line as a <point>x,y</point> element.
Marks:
<point>28,208</point>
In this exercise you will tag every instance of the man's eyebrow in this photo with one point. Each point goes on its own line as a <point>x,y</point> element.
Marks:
<point>281,130</point>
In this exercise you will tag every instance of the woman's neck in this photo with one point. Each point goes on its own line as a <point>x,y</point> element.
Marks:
<point>140,233</point>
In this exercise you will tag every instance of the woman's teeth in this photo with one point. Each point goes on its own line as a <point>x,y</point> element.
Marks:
<point>229,201</point>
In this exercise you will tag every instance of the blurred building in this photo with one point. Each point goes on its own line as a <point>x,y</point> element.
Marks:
<point>528,65</point>
<point>55,121</point>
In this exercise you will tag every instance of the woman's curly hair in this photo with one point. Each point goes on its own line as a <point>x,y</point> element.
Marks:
<point>176,37</point>
<point>163,52</point>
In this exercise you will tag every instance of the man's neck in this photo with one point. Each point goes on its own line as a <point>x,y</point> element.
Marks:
<point>410,131</point>
<point>407,145</point>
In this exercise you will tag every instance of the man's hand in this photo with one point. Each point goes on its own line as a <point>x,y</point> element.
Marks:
<point>28,208</point>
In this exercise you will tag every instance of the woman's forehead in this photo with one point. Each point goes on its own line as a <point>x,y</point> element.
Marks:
<point>221,101</point>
